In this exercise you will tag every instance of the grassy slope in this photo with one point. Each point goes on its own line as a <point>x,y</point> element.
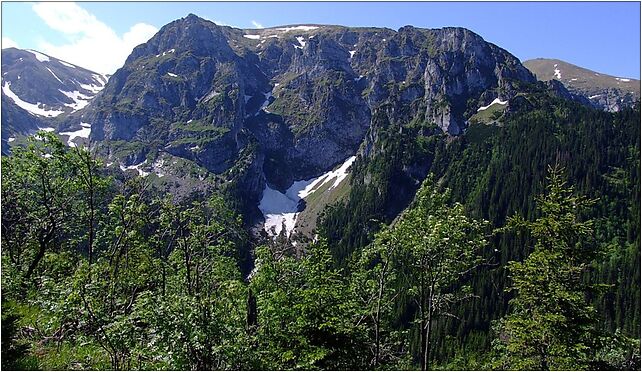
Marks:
<point>579,78</point>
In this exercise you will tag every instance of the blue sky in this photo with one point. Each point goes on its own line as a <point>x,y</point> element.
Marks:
<point>602,36</point>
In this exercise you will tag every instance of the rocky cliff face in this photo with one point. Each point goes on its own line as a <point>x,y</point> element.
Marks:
<point>299,98</point>
<point>304,92</point>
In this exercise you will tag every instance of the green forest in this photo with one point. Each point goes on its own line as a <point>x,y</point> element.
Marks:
<point>518,248</point>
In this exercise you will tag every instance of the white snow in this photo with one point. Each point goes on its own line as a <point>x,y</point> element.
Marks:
<point>92,87</point>
<point>80,100</point>
<point>66,64</point>
<point>496,100</point>
<point>352,52</point>
<point>158,167</point>
<point>280,209</point>
<point>166,52</point>
<point>275,36</point>
<point>32,108</point>
<point>298,28</point>
<point>595,96</point>
<point>337,175</point>
<point>253,37</point>
<point>54,75</point>
<point>172,75</point>
<point>11,139</point>
<point>190,120</point>
<point>301,41</point>
<point>82,133</point>
<point>265,103</point>
<point>622,79</point>
<point>574,79</point>
<point>46,129</point>
<point>39,56</point>
<point>135,167</point>
<point>558,74</point>
<point>358,78</point>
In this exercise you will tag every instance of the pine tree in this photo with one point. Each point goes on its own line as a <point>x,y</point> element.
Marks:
<point>551,325</point>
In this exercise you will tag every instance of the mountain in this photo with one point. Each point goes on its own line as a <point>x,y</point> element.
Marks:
<point>301,184</point>
<point>607,92</point>
<point>287,103</point>
<point>37,89</point>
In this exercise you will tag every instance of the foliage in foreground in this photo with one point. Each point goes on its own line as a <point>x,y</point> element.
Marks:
<point>99,274</point>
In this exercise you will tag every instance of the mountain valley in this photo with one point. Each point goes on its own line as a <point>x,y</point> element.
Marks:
<point>276,170</point>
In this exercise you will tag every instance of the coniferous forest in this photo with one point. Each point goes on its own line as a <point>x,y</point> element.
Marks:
<point>520,250</point>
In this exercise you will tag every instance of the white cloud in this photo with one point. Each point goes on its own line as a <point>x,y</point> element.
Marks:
<point>8,43</point>
<point>92,44</point>
<point>257,25</point>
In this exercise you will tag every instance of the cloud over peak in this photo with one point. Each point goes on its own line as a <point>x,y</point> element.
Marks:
<point>91,43</point>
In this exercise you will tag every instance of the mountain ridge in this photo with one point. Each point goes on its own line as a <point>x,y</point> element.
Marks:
<point>604,91</point>
<point>249,109</point>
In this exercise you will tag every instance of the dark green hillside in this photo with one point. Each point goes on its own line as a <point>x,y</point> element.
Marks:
<point>498,171</point>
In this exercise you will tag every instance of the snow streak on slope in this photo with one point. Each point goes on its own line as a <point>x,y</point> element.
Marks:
<point>30,107</point>
<point>281,209</point>
<point>39,56</point>
<point>496,100</point>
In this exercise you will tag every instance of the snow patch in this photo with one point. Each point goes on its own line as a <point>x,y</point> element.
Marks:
<point>166,52</point>
<point>30,107</point>
<point>298,28</point>
<point>82,133</point>
<point>39,56</point>
<point>11,139</point>
<point>80,100</point>
<point>623,80</point>
<point>352,52</point>
<point>358,78</point>
<point>253,37</point>
<point>46,129</point>
<point>91,87</point>
<point>301,41</point>
<point>135,167</point>
<point>265,103</point>
<point>496,100</point>
<point>158,167</point>
<point>172,75</point>
<point>558,74</point>
<point>595,96</point>
<point>281,209</point>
